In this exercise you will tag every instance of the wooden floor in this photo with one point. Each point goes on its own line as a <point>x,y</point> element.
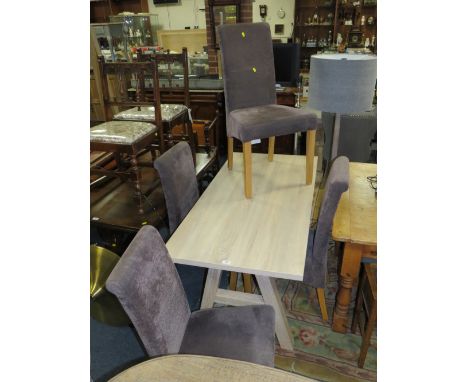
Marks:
<point>113,204</point>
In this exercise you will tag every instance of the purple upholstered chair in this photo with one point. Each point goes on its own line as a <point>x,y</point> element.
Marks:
<point>315,269</point>
<point>147,285</point>
<point>180,187</point>
<point>179,182</point>
<point>249,87</point>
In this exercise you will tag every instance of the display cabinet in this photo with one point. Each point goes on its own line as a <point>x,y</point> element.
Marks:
<point>321,25</point>
<point>109,39</point>
<point>314,27</point>
<point>138,29</point>
<point>198,64</point>
<point>357,23</point>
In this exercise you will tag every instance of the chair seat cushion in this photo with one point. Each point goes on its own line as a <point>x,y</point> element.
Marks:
<point>169,112</point>
<point>268,120</point>
<point>244,333</point>
<point>121,132</point>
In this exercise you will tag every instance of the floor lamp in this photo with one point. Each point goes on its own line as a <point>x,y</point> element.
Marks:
<point>341,84</point>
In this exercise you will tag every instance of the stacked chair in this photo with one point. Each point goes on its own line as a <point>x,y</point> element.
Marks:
<point>250,94</point>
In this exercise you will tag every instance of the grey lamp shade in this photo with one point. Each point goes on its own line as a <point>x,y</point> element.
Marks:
<point>342,83</point>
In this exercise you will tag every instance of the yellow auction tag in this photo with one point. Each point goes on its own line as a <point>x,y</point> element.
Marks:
<point>243,34</point>
<point>254,69</point>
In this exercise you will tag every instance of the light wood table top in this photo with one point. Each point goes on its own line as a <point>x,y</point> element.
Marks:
<point>356,217</point>
<point>193,368</point>
<point>266,235</point>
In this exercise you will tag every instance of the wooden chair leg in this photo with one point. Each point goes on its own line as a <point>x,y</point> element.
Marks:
<point>230,152</point>
<point>323,306</point>
<point>162,142</point>
<point>358,306</point>
<point>247,148</point>
<point>153,154</point>
<point>271,148</point>
<point>233,281</point>
<point>310,152</point>
<point>247,282</point>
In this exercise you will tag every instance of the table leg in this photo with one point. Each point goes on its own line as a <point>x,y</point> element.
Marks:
<point>349,272</point>
<point>271,297</point>
<point>211,287</point>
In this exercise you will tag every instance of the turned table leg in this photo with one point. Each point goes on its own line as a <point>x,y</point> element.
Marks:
<point>349,272</point>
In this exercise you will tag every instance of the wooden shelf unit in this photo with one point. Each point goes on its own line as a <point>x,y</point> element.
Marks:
<point>304,16</point>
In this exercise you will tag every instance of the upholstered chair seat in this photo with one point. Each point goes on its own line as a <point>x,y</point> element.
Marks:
<point>148,287</point>
<point>120,132</point>
<point>242,333</point>
<point>315,269</point>
<point>257,122</point>
<point>169,112</point>
<point>251,108</point>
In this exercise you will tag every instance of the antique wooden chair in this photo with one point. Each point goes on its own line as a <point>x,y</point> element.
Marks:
<point>249,87</point>
<point>366,303</point>
<point>126,139</point>
<point>172,81</point>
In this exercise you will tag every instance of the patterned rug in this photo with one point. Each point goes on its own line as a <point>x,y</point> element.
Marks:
<point>319,352</point>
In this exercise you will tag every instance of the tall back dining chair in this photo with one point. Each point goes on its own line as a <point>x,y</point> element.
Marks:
<point>249,87</point>
<point>179,182</point>
<point>148,287</point>
<point>315,269</point>
<point>180,187</point>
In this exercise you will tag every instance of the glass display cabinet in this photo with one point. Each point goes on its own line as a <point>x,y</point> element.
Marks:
<point>138,29</point>
<point>198,64</point>
<point>110,40</point>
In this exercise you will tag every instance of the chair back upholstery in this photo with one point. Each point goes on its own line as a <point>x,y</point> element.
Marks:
<point>248,65</point>
<point>179,182</point>
<point>315,269</point>
<point>148,287</point>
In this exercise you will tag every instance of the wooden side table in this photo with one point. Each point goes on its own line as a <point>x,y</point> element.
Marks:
<point>366,303</point>
<point>355,225</point>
